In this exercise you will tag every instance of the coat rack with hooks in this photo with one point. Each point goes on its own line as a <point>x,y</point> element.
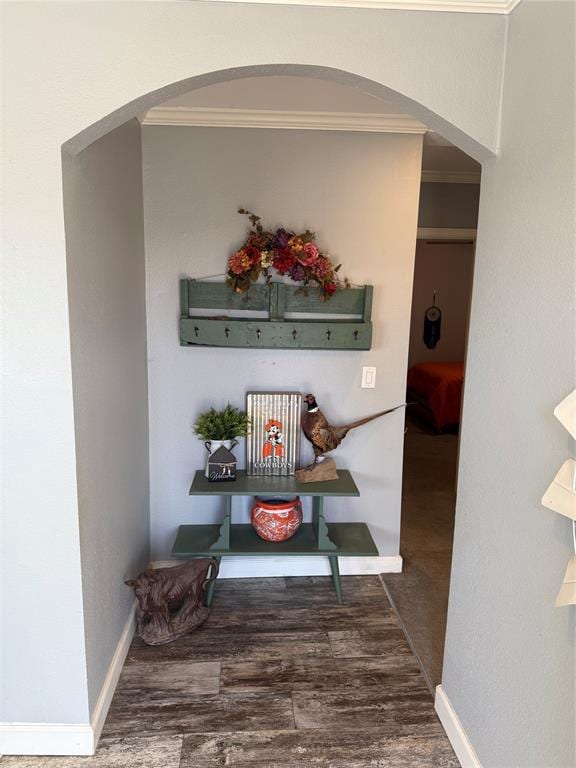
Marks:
<point>343,322</point>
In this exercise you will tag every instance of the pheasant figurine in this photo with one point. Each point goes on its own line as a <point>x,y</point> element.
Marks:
<point>324,438</point>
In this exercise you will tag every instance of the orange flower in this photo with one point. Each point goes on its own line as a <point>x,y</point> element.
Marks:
<point>296,243</point>
<point>239,262</point>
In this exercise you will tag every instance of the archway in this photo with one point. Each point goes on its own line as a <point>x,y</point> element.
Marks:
<point>408,105</point>
<point>76,153</point>
<point>74,63</point>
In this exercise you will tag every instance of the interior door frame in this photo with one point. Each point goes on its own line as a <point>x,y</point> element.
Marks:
<point>438,234</point>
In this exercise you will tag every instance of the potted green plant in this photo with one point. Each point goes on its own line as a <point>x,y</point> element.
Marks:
<point>221,428</point>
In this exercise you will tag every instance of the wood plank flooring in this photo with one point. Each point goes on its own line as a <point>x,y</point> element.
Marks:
<point>279,677</point>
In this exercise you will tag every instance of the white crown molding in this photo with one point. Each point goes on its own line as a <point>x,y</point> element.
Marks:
<point>443,6</point>
<point>451,177</point>
<point>266,118</point>
<point>457,736</point>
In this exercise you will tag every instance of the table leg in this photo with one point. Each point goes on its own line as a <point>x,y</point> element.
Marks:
<point>223,540</point>
<point>210,589</point>
<point>336,577</point>
<point>323,540</point>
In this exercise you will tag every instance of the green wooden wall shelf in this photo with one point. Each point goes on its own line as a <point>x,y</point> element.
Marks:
<point>343,322</point>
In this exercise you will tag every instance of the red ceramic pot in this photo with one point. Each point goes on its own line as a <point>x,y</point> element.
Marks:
<point>276,519</point>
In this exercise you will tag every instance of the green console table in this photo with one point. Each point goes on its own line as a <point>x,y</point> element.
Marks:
<point>333,540</point>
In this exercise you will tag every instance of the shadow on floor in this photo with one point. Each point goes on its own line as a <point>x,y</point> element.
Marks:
<point>420,593</point>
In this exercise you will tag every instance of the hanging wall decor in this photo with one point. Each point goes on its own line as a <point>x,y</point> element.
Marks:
<point>432,324</point>
<point>273,442</point>
<point>292,254</point>
<point>274,316</point>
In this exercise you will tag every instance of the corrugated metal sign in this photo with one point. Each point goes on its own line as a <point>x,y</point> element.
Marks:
<point>273,442</point>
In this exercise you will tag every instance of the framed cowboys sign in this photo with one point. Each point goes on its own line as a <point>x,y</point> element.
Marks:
<point>273,442</point>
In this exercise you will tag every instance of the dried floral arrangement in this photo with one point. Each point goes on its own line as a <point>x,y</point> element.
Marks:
<point>289,253</point>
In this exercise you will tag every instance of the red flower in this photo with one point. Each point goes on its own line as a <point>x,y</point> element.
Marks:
<point>253,254</point>
<point>284,260</point>
<point>322,268</point>
<point>330,288</point>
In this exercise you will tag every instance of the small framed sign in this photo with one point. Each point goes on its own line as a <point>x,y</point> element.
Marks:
<point>221,466</point>
<point>273,442</point>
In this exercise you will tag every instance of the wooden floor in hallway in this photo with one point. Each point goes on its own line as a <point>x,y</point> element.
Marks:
<point>280,676</point>
<point>420,592</point>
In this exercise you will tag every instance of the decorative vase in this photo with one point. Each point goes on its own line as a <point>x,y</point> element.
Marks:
<point>213,445</point>
<point>276,519</point>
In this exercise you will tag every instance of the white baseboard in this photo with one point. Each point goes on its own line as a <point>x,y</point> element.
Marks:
<point>233,567</point>
<point>46,739</point>
<point>456,734</point>
<point>69,738</point>
<point>111,680</point>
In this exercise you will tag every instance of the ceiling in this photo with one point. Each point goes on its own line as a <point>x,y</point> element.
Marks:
<point>292,99</point>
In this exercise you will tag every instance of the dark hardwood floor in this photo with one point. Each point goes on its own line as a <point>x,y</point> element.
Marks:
<point>279,677</point>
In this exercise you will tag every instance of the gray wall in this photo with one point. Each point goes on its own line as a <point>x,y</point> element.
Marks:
<point>509,660</point>
<point>445,267</point>
<point>105,254</point>
<point>448,205</point>
<point>359,192</point>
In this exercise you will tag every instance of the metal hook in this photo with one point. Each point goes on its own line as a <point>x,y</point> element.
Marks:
<point>227,332</point>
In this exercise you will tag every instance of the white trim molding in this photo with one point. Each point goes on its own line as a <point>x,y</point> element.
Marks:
<point>219,117</point>
<point>457,736</point>
<point>451,177</point>
<point>100,712</point>
<point>46,739</point>
<point>233,567</point>
<point>70,738</point>
<point>445,233</point>
<point>443,6</point>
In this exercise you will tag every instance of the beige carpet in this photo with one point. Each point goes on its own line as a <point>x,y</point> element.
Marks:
<point>420,593</point>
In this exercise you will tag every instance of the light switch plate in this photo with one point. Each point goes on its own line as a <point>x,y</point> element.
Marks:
<point>368,377</point>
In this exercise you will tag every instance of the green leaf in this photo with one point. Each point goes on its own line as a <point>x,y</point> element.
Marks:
<point>226,424</point>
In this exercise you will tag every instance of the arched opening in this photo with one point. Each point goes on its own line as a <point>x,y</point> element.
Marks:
<point>143,103</point>
<point>127,247</point>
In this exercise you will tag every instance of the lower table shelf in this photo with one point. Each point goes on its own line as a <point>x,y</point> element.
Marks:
<point>348,539</point>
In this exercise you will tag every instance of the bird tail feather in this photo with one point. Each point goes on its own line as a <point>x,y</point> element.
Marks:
<point>371,418</point>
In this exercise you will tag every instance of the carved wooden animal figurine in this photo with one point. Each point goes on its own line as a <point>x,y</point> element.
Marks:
<point>171,600</point>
